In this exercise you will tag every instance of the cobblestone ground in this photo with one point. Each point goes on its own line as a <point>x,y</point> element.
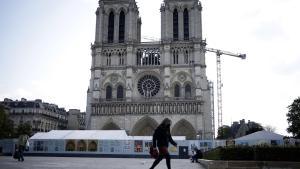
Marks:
<point>91,163</point>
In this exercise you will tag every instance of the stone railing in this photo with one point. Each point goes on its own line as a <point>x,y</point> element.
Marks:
<point>107,108</point>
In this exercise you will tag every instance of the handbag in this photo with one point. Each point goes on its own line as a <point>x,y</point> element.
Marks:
<point>27,146</point>
<point>153,152</point>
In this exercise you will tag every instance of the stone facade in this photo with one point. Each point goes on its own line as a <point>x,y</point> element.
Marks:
<point>42,116</point>
<point>135,85</point>
<point>76,120</point>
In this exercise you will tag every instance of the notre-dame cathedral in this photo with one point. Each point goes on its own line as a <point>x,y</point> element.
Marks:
<point>134,85</point>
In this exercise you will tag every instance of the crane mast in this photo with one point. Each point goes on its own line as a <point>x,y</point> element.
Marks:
<point>218,53</point>
<point>212,107</point>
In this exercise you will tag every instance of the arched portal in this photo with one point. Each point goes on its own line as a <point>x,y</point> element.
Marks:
<point>111,126</point>
<point>184,128</point>
<point>144,127</point>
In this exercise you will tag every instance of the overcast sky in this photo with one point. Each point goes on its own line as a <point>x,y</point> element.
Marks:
<point>45,52</point>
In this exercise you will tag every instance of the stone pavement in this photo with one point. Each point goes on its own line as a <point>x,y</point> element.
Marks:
<point>91,163</point>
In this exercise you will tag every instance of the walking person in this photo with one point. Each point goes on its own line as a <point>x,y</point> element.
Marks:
<point>21,146</point>
<point>16,152</point>
<point>161,139</point>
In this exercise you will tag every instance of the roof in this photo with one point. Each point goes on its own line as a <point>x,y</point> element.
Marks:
<point>81,134</point>
<point>23,103</point>
<point>91,135</point>
<point>150,138</point>
<point>261,135</point>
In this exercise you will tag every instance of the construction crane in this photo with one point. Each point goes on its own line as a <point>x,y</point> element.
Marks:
<point>212,107</point>
<point>218,53</point>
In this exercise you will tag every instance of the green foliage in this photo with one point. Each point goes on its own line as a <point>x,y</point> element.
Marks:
<point>254,129</point>
<point>227,132</point>
<point>24,128</point>
<point>212,154</point>
<point>277,153</point>
<point>224,132</point>
<point>293,118</point>
<point>6,125</point>
<point>256,153</point>
<point>7,129</point>
<point>236,153</point>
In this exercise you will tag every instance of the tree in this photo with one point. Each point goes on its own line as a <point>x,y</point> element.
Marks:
<point>6,125</point>
<point>270,128</point>
<point>293,118</point>
<point>24,128</point>
<point>255,127</point>
<point>224,132</point>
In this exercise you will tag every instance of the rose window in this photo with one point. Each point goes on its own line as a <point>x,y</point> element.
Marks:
<point>148,85</point>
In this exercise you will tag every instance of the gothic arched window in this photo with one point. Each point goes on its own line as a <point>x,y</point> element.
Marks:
<point>108,60</point>
<point>121,59</point>
<point>175,25</point>
<point>139,57</point>
<point>186,57</point>
<point>175,57</point>
<point>177,91</point>
<point>122,27</point>
<point>108,93</point>
<point>186,24</point>
<point>120,92</point>
<point>188,91</point>
<point>111,23</point>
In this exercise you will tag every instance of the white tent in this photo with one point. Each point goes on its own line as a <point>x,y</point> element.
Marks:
<point>81,135</point>
<point>102,143</point>
<point>91,135</point>
<point>260,137</point>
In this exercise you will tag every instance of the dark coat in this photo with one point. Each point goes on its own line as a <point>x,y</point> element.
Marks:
<point>162,137</point>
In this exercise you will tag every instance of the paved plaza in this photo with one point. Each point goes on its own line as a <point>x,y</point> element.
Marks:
<point>91,163</point>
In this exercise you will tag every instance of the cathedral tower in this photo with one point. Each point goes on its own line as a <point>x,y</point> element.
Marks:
<point>181,20</point>
<point>135,85</point>
<point>117,22</point>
